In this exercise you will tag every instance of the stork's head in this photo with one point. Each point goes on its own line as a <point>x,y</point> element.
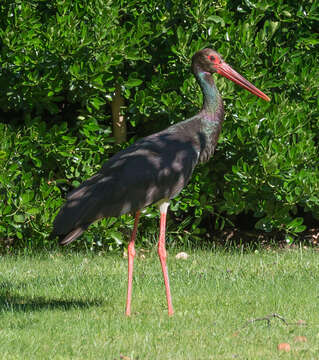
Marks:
<point>210,61</point>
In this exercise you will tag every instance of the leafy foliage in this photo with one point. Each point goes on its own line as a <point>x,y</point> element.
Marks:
<point>60,61</point>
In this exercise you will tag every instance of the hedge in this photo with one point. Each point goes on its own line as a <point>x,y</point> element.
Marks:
<point>61,62</point>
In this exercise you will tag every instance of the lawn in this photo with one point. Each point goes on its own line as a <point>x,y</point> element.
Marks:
<point>66,305</point>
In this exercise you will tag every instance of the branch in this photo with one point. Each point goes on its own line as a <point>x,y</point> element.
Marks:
<point>266,318</point>
<point>119,124</point>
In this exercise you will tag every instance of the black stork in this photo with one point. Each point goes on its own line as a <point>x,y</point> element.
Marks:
<point>153,170</point>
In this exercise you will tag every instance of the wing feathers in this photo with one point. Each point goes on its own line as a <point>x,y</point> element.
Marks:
<point>154,168</point>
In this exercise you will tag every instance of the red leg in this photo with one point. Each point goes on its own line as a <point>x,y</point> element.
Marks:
<point>162,255</point>
<point>131,254</point>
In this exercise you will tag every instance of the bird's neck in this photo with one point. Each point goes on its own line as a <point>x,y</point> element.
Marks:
<point>212,99</point>
<point>211,116</point>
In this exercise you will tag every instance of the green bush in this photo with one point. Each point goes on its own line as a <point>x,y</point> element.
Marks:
<point>61,60</point>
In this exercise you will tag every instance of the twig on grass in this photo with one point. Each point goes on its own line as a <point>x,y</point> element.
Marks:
<point>269,317</point>
<point>266,318</point>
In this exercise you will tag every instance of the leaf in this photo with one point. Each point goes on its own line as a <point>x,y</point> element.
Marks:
<point>130,55</point>
<point>117,236</point>
<point>27,196</point>
<point>19,218</point>
<point>133,82</point>
<point>33,211</point>
<point>3,155</point>
<point>295,222</point>
<point>97,102</point>
<point>180,31</point>
<point>99,80</point>
<point>300,228</point>
<point>216,19</point>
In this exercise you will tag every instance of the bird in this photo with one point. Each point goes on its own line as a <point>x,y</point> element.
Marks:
<point>153,170</point>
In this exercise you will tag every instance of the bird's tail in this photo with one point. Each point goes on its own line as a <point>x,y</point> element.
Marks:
<point>71,236</point>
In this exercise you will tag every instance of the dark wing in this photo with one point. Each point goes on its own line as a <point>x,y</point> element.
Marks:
<point>154,168</point>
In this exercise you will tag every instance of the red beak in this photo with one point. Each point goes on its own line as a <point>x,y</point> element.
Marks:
<point>225,70</point>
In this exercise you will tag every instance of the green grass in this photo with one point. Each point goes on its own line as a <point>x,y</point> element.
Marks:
<point>71,306</point>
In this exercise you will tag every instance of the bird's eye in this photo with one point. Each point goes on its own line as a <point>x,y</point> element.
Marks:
<point>211,58</point>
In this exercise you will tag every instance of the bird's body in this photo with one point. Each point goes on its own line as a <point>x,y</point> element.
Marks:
<point>153,170</point>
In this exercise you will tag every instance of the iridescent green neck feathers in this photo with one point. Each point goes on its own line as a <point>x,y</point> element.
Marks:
<point>211,95</point>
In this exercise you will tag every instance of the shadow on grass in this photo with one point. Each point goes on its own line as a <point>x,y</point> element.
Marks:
<point>12,302</point>
<point>26,304</point>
